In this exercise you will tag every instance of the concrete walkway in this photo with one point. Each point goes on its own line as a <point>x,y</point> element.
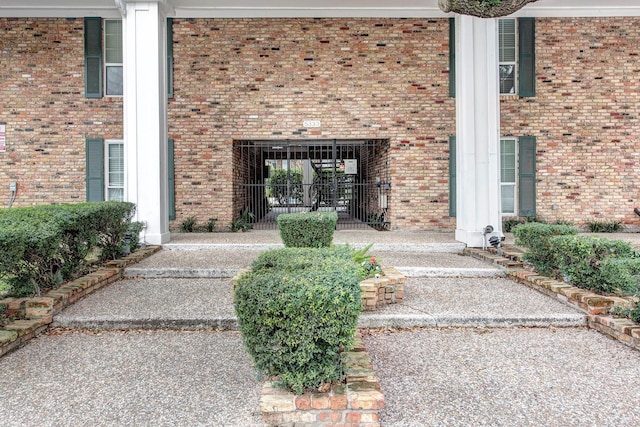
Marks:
<point>159,348</point>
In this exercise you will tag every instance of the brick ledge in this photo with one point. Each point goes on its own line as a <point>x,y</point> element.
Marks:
<point>595,306</point>
<point>34,315</point>
<point>355,403</point>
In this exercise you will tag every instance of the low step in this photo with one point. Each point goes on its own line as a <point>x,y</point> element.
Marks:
<point>451,272</point>
<point>174,272</point>
<point>402,321</point>
<point>420,247</point>
<point>207,303</point>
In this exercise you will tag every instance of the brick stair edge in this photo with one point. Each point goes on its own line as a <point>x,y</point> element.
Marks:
<point>595,306</point>
<point>36,314</point>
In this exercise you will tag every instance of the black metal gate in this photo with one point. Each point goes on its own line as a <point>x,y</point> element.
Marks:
<point>350,177</point>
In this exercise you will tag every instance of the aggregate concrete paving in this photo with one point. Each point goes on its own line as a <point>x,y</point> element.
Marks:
<point>208,303</point>
<point>561,374</point>
<point>551,377</point>
<point>155,304</point>
<point>226,263</point>
<point>133,378</point>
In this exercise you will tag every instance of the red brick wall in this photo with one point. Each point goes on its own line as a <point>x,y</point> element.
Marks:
<point>586,118</point>
<point>363,78</point>
<point>42,101</point>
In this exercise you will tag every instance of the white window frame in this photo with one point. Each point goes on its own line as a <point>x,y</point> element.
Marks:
<point>513,63</point>
<point>513,184</point>
<point>106,64</point>
<point>107,159</point>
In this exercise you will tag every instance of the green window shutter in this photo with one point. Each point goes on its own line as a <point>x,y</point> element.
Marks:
<point>452,176</point>
<point>93,57</point>
<point>170,57</point>
<point>527,57</point>
<point>452,57</point>
<point>94,172</point>
<point>527,176</point>
<point>172,182</point>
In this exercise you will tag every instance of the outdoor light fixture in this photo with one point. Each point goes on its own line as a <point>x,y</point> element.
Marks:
<point>487,230</point>
<point>495,242</point>
<point>126,243</point>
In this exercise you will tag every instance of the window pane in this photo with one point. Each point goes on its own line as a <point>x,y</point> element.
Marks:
<point>114,80</point>
<point>508,79</point>
<point>115,195</point>
<point>116,165</point>
<point>507,161</point>
<point>507,39</point>
<point>508,199</point>
<point>113,41</point>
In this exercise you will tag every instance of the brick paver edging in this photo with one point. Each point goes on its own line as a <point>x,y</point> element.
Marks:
<point>34,315</point>
<point>354,403</point>
<point>385,289</point>
<point>595,306</point>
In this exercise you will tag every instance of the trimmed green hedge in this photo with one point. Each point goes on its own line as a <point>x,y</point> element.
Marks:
<point>622,273</point>
<point>44,245</point>
<point>298,310</point>
<point>579,259</point>
<point>535,237</point>
<point>307,229</point>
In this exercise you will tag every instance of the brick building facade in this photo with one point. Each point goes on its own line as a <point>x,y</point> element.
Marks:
<point>388,79</point>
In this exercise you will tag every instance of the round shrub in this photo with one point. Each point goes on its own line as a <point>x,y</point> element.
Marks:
<point>307,229</point>
<point>295,321</point>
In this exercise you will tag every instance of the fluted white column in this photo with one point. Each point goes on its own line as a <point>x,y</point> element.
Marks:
<point>145,115</point>
<point>477,129</point>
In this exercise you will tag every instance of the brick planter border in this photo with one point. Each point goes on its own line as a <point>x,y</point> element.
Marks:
<point>355,403</point>
<point>595,306</point>
<point>34,315</point>
<point>387,289</point>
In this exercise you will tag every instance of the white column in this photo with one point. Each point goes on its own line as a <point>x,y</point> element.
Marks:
<point>145,115</point>
<point>477,129</point>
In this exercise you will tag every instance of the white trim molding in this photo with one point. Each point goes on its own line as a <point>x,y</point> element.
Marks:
<point>303,9</point>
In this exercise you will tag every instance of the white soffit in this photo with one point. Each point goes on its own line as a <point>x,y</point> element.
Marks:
<point>308,8</point>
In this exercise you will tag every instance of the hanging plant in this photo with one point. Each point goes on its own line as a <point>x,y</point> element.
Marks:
<point>483,8</point>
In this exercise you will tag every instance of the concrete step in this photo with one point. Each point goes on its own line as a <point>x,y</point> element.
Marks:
<point>192,304</point>
<point>221,263</point>
<point>414,247</point>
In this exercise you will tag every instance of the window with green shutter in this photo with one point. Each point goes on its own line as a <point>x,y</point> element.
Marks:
<point>93,57</point>
<point>527,176</point>
<point>94,169</point>
<point>517,70</point>
<point>452,176</point>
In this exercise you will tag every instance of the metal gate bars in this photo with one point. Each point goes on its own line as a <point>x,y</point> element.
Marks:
<point>348,176</point>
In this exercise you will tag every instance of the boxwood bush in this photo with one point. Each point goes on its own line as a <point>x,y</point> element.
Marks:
<point>622,273</point>
<point>535,237</point>
<point>580,260</point>
<point>44,245</point>
<point>307,229</point>
<point>298,310</point>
